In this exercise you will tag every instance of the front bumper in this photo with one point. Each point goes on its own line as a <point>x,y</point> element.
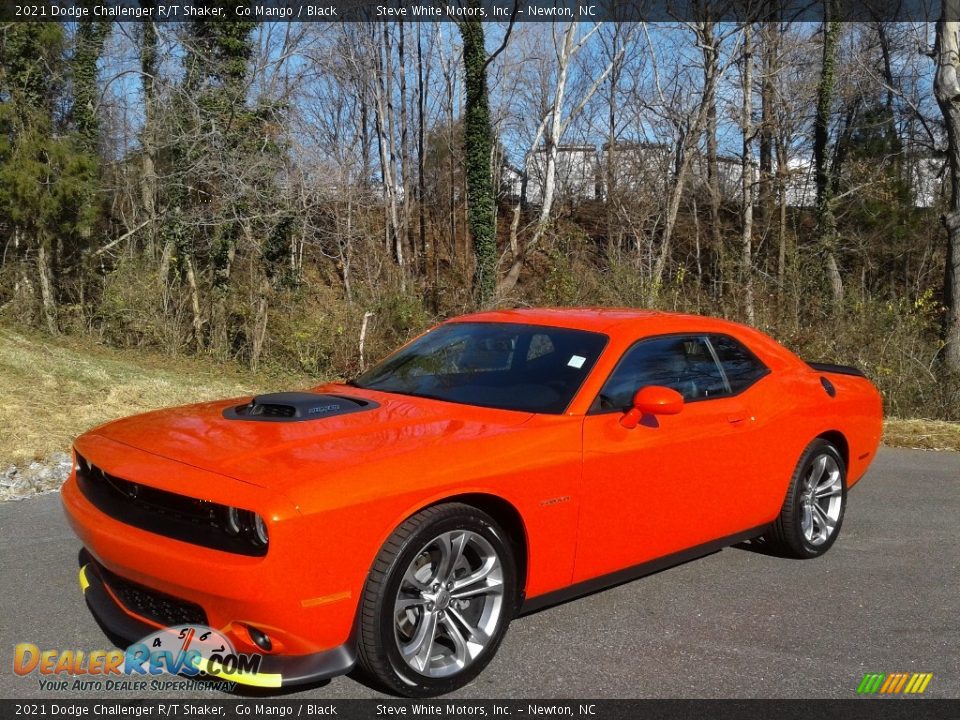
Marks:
<point>275,671</point>
<point>302,593</point>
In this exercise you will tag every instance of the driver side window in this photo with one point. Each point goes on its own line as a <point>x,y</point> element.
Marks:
<point>684,363</point>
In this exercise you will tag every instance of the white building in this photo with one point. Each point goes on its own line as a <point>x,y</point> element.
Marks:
<point>576,174</point>
<point>582,174</point>
<point>926,177</point>
<point>635,167</point>
<point>512,182</point>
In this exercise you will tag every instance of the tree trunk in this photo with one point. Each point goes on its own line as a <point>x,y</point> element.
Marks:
<point>746,177</point>
<point>478,141</point>
<point>782,172</point>
<point>148,69</point>
<point>423,78</point>
<point>194,303</point>
<point>685,151</point>
<point>770,53</point>
<point>363,338</point>
<point>47,299</point>
<point>364,136</point>
<point>383,117</point>
<point>447,67</point>
<point>673,209</point>
<point>395,213</point>
<point>610,167</point>
<point>346,254</point>
<point>710,53</point>
<point>163,276</point>
<point>890,120</point>
<point>947,91</point>
<point>260,325</point>
<point>89,41</point>
<point>449,80</point>
<point>826,221</point>
<point>406,236</point>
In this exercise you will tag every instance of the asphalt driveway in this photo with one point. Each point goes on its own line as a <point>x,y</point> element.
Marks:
<point>736,624</point>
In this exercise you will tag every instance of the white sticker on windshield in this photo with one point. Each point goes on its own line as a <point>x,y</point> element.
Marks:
<point>576,361</point>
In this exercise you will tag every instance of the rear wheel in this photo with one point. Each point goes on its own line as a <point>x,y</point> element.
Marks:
<point>812,512</point>
<point>438,601</point>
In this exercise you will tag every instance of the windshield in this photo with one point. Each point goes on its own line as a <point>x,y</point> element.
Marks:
<point>500,365</point>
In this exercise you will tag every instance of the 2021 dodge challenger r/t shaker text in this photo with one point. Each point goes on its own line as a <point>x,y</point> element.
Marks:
<point>498,463</point>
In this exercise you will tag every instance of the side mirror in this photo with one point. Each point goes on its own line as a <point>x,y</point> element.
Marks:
<point>652,400</point>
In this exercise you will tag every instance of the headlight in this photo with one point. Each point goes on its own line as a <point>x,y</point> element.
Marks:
<point>260,529</point>
<point>250,525</point>
<point>232,521</point>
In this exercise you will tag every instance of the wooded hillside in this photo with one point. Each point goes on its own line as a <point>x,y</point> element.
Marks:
<point>307,196</point>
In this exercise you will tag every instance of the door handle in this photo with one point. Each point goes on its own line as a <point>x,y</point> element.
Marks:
<point>736,419</point>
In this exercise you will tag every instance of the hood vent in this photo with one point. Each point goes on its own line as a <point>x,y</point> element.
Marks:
<point>296,407</point>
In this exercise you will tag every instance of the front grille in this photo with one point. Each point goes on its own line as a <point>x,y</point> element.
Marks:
<point>192,520</point>
<point>155,606</point>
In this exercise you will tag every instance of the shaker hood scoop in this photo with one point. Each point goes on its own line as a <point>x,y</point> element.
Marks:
<point>296,407</point>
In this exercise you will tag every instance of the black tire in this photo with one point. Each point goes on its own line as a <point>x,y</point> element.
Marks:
<point>379,654</point>
<point>788,536</point>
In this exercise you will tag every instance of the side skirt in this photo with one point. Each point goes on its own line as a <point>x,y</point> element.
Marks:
<point>619,577</point>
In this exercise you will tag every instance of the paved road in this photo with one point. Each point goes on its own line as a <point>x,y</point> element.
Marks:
<point>736,624</point>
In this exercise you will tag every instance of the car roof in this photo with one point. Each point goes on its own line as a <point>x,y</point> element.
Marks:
<point>600,319</point>
<point>625,325</point>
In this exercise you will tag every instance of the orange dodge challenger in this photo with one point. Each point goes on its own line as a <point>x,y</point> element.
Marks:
<point>500,462</point>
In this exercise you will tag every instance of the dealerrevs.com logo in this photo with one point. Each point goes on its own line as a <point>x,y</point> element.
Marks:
<point>196,652</point>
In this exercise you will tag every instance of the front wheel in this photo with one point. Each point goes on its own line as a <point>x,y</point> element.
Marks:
<point>438,601</point>
<point>812,512</point>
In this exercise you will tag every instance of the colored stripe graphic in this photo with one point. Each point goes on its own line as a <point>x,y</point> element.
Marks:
<point>870,683</point>
<point>889,683</point>
<point>927,677</point>
<point>894,683</point>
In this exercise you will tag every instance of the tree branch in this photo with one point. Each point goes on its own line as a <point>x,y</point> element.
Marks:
<point>506,36</point>
<point>117,241</point>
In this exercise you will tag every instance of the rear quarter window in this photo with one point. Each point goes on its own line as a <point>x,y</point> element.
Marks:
<point>741,366</point>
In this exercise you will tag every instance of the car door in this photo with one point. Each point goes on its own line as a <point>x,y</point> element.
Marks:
<point>674,481</point>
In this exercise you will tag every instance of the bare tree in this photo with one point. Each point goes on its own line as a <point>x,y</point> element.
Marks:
<point>709,43</point>
<point>690,125</point>
<point>826,171</point>
<point>554,122</point>
<point>747,174</point>
<point>383,98</point>
<point>947,90</point>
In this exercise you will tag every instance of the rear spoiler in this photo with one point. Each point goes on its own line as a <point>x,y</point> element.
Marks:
<point>838,369</point>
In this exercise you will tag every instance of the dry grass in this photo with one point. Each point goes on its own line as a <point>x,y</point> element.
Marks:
<point>53,390</point>
<point>922,434</point>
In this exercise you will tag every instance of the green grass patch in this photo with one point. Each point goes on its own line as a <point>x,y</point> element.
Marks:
<point>52,390</point>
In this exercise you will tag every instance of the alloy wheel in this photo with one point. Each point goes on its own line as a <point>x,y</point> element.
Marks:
<point>821,499</point>
<point>449,603</point>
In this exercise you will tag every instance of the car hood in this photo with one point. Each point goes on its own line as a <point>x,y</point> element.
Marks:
<point>278,454</point>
